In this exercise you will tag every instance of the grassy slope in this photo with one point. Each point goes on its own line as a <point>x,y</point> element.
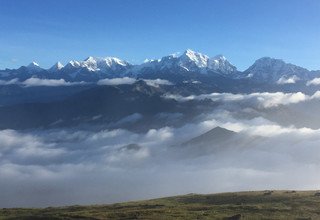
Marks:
<point>240,205</point>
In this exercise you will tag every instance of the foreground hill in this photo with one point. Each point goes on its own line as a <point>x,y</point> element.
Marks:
<point>240,205</point>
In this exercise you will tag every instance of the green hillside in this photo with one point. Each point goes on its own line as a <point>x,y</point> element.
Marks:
<point>239,205</point>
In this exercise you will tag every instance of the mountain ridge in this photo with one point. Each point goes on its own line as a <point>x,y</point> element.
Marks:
<point>188,64</point>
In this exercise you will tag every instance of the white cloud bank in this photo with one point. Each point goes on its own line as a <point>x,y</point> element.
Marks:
<point>48,82</point>
<point>157,82</point>
<point>75,166</point>
<point>288,80</point>
<point>128,80</point>
<point>45,165</point>
<point>9,82</point>
<point>33,82</point>
<point>315,81</point>
<point>117,81</point>
<point>262,100</point>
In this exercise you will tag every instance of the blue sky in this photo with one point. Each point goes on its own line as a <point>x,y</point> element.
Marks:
<point>243,30</point>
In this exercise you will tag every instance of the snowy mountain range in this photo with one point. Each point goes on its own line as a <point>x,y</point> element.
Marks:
<point>103,91</point>
<point>189,61</point>
<point>189,64</point>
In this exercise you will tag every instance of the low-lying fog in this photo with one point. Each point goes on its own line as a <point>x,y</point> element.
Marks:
<point>76,166</point>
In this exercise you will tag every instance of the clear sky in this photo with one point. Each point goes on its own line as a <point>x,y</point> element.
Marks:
<point>243,30</point>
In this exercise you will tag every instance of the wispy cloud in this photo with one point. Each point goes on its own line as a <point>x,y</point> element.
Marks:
<point>128,80</point>
<point>32,82</point>
<point>263,100</point>
<point>117,81</point>
<point>315,81</point>
<point>157,82</point>
<point>288,80</point>
<point>9,82</point>
<point>48,82</point>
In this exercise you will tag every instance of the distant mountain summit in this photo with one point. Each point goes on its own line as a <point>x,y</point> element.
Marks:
<point>271,69</point>
<point>56,67</point>
<point>214,136</point>
<point>189,61</point>
<point>192,60</point>
<point>99,64</point>
<point>34,67</point>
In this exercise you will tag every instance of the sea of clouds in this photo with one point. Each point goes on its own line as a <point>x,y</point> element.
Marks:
<point>82,166</point>
<point>35,82</point>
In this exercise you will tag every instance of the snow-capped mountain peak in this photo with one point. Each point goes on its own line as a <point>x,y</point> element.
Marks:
<point>56,67</point>
<point>220,63</point>
<point>148,60</point>
<point>90,59</point>
<point>59,65</point>
<point>90,64</point>
<point>100,67</point>
<point>33,67</point>
<point>114,60</point>
<point>189,61</point>
<point>33,64</point>
<point>107,60</point>
<point>73,63</point>
<point>219,57</point>
<point>192,60</point>
<point>103,63</point>
<point>271,69</point>
<point>190,56</point>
